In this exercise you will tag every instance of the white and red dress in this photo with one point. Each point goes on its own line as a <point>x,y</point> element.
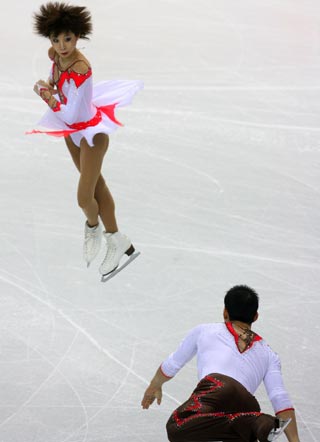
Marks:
<point>84,109</point>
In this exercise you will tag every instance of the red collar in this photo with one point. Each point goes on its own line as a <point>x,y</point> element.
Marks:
<point>236,337</point>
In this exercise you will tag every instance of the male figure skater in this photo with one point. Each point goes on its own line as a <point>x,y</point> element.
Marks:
<point>232,362</point>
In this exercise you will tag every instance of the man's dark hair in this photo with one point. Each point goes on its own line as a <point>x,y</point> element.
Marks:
<point>241,302</point>
<point>54,18</point>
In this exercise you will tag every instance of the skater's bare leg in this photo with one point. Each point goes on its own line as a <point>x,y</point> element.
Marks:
<point>106,206</point>
<point>102,194</point>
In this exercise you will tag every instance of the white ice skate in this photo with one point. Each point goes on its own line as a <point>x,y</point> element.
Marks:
<point>275,433</point>
<point>92,242</point>
<point>118,245</point>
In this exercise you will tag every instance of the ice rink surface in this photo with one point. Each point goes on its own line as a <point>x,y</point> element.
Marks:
<point>216,180</point>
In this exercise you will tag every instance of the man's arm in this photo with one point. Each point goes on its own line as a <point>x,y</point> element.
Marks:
<point>170,367</point>
<point>279,397</point>
<point>292,429</point>
<point>154,391</point>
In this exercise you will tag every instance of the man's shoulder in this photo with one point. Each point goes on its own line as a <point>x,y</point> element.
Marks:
<point>211,327</point>
<point>273,356</point>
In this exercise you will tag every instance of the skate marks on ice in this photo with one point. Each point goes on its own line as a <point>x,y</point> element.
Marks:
<point>132,257</point>
<point>79,331</point>
<point>241,122</point>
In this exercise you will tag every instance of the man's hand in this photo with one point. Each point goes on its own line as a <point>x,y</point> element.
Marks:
<point>151,393</point>
<point>154,391</point>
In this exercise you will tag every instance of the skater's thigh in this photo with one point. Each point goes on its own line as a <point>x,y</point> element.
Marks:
<point>74,151</point>
<point>91,159</point>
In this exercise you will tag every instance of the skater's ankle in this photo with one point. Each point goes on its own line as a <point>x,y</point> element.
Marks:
<point>92,226</point>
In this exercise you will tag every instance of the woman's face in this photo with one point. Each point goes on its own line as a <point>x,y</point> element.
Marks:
<point>64,44</point>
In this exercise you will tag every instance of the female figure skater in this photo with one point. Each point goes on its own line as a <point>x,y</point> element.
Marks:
<point>83,114</point>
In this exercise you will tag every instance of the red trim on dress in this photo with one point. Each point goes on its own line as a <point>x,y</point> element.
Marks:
<point>236,337</point>
<point>109,111</point>
<point>55,133</point>
<point>82,125</point>
<point>78,78</point>
<point>286,409</point>
<point>165,375</point>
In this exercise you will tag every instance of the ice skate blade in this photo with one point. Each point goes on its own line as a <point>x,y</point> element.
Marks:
<point>132,257</point>
<point>274,434</point>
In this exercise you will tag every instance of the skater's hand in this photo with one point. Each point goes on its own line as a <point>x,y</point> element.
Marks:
<point>154,391</point>
<point>151,393</point>
<point>41,86</point>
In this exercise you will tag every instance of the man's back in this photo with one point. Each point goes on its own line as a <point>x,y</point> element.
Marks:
<point>232,362</point>
<point>217,351</point>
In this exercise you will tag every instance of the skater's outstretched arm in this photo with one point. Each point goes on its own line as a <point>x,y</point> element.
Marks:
<point>154,391</point>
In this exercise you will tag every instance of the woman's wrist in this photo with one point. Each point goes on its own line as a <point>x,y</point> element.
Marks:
<point>45,94</point>
<point>48,98</point>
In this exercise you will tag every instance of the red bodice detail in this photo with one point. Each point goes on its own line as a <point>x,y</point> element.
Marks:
<point>79,79</point>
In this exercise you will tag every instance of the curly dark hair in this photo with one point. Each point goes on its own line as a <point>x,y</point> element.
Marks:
<point>54,18</point>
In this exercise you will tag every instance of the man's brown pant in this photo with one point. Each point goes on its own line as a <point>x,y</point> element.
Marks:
<point>220,409</point>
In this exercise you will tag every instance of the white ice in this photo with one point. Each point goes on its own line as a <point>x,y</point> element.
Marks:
<point>216,180</point>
